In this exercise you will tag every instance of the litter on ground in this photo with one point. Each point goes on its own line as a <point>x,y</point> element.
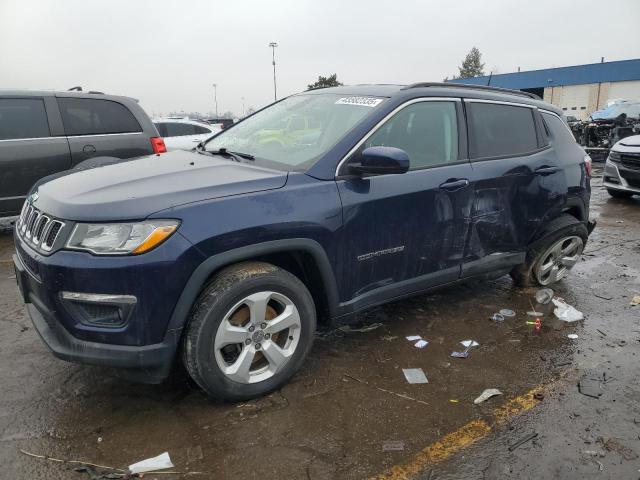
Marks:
<point>497,317</point>
<point>415,375</point>
<point>421,344</point>
<point>505,312</point>
<point>566,312</point>
<point>487,394</point>
<point>468,344</point>
<point>572,336</point>
<point>544,296</point>
<point>413,338</point>
<point>635,300</point>
<point>160,462</point>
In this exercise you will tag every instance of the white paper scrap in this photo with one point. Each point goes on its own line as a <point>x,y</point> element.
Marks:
<point>572,336</point>
<point>413,338</point>
<point>415,375</point>
<point>566,312</point>
<point>421,344</point>
<point>487,394</point>
<point>469,343</point>
<point>160,462</point>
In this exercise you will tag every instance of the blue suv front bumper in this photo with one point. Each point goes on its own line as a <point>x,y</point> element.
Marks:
<point>142,345</point>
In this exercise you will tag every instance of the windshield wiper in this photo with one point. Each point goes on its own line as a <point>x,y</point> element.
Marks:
<point>228,153</point>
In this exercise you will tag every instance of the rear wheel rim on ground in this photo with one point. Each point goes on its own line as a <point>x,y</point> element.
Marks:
<point>558,259</point>
<point>257,337</point>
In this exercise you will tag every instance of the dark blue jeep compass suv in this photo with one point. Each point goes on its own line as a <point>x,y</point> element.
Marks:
<point>318,206</point>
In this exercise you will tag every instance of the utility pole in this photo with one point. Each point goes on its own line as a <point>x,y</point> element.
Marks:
<point>215,97</point>
<point>273,46</point>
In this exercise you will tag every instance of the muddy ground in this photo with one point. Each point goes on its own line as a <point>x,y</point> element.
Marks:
<point>333,421</point>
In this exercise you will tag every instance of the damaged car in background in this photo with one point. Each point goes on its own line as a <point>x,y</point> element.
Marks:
<point>606,127</point>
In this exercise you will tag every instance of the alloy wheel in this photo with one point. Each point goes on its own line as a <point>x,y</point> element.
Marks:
<point>257,337</point>
<point>557,260</point>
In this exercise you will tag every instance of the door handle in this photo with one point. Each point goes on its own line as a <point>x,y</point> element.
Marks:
<point>454,184</point>
<point>546,170</point>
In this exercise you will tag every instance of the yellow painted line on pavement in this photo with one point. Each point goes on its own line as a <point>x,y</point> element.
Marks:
<point>461,438</point>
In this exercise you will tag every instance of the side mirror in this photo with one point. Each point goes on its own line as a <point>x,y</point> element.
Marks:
<point>380,161</point>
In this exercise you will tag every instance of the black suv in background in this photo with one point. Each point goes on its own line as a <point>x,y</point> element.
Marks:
<point>42,133</point>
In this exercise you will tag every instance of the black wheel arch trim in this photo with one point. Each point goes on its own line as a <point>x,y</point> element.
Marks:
<point>216,262</point>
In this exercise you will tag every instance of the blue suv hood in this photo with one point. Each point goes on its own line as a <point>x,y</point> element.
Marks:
<point>135,189</point>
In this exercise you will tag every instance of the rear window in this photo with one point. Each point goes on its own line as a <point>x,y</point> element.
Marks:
<point>557,129</point>
<point>500,130</point>
<point>179,129</point>
<point>23,118</point>
<point>86,116</point>
<point>201,130</point>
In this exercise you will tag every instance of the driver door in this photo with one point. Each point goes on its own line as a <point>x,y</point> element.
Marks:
<point>404,233</point>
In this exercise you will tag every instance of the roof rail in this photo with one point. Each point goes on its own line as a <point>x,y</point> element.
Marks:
<point>473,87</point>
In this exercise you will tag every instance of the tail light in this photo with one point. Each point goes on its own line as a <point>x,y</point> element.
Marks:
<point>157,143</point>
<point>587,164</point>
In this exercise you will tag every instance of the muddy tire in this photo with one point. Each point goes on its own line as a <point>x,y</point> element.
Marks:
<point>619,193</point>
<point>249,331</point>
<point>550,258</point>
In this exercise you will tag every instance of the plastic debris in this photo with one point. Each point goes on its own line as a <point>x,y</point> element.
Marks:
<point>505,312</point>
<point>468,344</point>
<point>413,338</point>
<point>566,312</point>
<point>415,375</point>
<point>497,317</point>
<point>590,386</point>
<point>453,400</point>
<point>160,462</point>
<point>572,336</point>
<point>533,313</point>
<point>392,446</point>
<point>421,343</point>
<point>635,300</point>
<point>486,395</point>
<point>544,296</point>
<point>522,441</point>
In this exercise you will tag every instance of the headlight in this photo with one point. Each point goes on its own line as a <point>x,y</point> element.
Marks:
<point>121,238</point>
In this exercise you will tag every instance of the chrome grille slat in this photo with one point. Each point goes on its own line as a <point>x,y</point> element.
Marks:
<point>39,229</point>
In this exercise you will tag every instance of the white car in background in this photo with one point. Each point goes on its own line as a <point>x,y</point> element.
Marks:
<point>184,134</point>
<point>622,171</point>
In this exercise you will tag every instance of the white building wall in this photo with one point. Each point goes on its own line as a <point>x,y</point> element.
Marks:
<point>581,100</point>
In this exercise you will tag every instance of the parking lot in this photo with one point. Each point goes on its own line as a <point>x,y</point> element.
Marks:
<point>350,413</point>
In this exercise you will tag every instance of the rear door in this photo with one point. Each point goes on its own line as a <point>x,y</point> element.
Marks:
<point>101,127</point>
<point>508,155</point>
<point>403,233</point>
<point>29,148</point>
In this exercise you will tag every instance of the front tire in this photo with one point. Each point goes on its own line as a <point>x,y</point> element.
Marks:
<point>550,258</point>
<point>619,193</point>
<point>249,331</point>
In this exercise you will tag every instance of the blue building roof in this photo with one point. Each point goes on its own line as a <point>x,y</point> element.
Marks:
<point>619,71</point>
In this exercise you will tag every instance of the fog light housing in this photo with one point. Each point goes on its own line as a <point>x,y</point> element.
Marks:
<point>99,310</point>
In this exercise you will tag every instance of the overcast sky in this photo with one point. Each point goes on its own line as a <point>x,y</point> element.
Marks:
<point>169,53</point>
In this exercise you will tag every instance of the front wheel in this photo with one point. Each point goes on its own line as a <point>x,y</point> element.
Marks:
<point>619,193</point>
<point>550,258</point>
<point>249,331</point>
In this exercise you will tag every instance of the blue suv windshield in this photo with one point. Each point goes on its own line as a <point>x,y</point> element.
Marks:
<point>295,132</point>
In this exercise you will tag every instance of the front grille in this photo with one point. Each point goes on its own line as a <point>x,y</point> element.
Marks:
<point>37,228</point>
<point>630,160</point>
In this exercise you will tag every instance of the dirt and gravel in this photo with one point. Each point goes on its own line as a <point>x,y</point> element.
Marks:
<point>350,413</point>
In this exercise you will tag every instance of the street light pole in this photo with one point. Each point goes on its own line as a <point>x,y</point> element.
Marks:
<point>215,97</point>
<point>273,46</point>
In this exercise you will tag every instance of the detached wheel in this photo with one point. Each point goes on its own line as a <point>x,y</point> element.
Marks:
<point>550,258</point>
<point>619,193</point>
<point>249,331</point>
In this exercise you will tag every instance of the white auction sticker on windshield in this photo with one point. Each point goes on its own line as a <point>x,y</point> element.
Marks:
<point>362,101</point>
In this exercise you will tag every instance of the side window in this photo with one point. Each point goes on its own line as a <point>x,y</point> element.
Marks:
<point>23,118</point>
<point>427,131</point>
<point>497,130</point>
<point>162,129</point>
<point>200,130</point>
<point>86,116</point>
<point>179,129</point>
<point>558,130</point>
